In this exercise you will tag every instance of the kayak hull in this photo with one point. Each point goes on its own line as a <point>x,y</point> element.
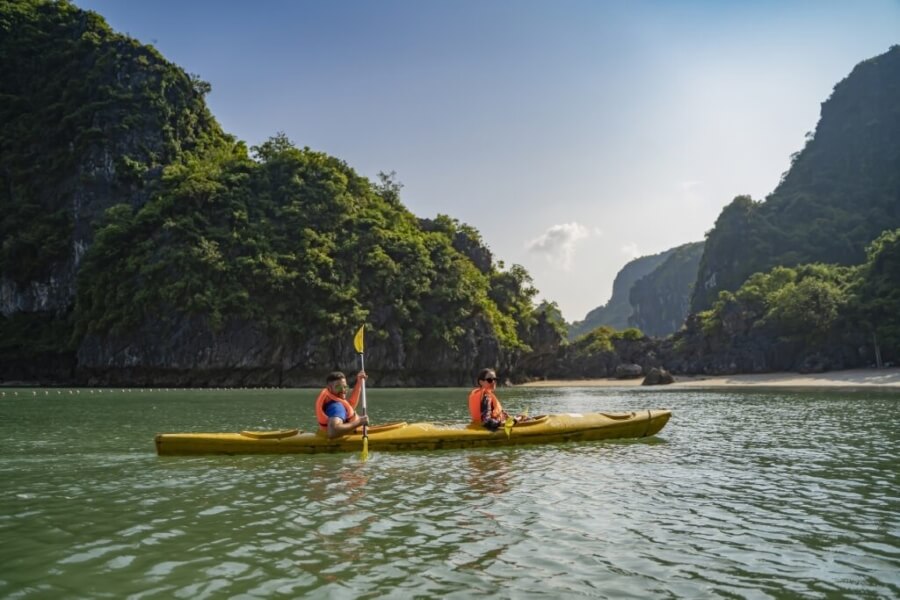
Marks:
<point>569,427</point>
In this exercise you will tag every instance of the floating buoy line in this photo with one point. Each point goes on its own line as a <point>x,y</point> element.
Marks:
<point>88,391</point>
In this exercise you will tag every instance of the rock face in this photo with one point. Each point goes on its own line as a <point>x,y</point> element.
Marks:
<point>736,350</point>
<point>88,119</point>
<point>102,142</point>
<point>546,346</point>
<point>661,299</point>
<point>191,354</point>
<point>628,371</point>
<point>651,293</point>
<point>618,310</point>
<point>658,377</point>
<point>839,194</point>
<point>52,294</point>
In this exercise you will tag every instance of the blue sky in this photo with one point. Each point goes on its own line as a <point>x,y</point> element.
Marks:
<point>575,135</point>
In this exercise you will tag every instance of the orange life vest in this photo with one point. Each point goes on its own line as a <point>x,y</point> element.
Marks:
<point>326,396</point>
<point>475,397</point>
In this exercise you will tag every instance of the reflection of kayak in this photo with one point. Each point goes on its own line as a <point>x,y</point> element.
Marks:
<point>422,436</point>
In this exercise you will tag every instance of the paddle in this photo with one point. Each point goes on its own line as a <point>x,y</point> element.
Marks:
<point>511,421</point>
<point>359,345</point>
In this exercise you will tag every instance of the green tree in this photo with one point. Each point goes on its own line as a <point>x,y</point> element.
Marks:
<point>877,293</point>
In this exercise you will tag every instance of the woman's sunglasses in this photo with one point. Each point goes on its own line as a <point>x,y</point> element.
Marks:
<point>490,379</point>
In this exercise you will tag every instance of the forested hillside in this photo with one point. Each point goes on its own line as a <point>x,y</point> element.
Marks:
<point>806,280</point>
<point>143,244</point>
<point>841,191</point>
<point>812,317</point>
<point>87,117</point>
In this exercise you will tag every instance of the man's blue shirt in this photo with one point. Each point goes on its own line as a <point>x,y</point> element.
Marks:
<point>336,409</point>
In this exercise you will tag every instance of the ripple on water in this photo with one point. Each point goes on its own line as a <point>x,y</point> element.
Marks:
<point>750,495</point>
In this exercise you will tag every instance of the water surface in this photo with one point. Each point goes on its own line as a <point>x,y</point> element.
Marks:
<point>752,494</point>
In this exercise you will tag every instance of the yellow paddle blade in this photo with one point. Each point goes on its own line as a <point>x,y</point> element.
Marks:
<point>358,340</point>
<point>365,451</point>
<point>508,425</point>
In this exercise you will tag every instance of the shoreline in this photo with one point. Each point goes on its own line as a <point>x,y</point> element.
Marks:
<point>852,378</point>
<point>888,377</point>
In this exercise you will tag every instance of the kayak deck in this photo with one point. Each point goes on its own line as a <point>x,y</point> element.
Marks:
<point>568,427</point>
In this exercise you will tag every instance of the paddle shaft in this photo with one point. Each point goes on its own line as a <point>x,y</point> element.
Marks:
<point>362,367</point>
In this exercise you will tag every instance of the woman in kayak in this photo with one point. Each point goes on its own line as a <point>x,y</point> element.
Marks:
<point>334,411</point>
<point>484,407</point>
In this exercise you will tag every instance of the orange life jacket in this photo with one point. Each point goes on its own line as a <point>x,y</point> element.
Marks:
<point>326,396</point>
<point>475,397</point>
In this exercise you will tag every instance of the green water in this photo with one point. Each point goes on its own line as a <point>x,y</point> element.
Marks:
<point>742,495</point>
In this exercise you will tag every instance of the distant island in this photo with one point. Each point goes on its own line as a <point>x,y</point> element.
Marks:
<point>143,245</point>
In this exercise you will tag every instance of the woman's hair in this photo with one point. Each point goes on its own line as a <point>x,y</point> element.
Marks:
<point>484,373</point>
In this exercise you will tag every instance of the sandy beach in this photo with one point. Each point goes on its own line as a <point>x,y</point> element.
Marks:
<point>855,378</point>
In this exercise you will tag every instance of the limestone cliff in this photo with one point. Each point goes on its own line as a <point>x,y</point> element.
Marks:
<point>841,191</point>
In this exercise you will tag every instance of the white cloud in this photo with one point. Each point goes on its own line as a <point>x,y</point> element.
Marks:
<point>558,243</point>
<point>631,251</point>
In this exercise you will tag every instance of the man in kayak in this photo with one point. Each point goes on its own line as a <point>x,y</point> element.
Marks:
<point>335,412</point>
<point>484,407</point>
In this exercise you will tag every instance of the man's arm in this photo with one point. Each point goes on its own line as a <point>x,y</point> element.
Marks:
<point>357,389</point>
<point>337,427</point>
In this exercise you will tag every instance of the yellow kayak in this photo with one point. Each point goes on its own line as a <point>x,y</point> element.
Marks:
<point>568,427</point>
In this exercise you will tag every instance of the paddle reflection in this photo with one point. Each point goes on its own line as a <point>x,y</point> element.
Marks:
<point>489,473</point>
<point>354,483</point>
<point>327,484</point>
<point>334,493</point>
